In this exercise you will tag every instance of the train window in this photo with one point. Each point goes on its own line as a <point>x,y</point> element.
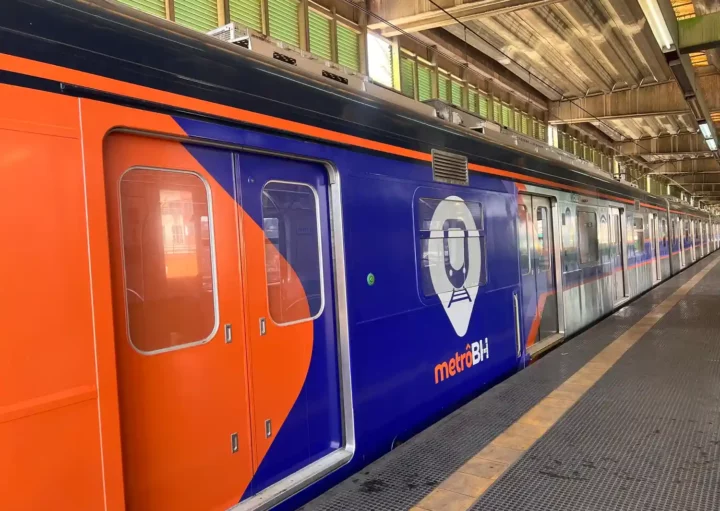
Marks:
<point>568,232</point>
<point>639,232</point>
<point>663,232</point>
<point>603,235</point>
<point>687,231</point>
<point>587,236</point>
<point>452,246</point>
<point>293,260</point>
<point>542,243</point>
<point>168,258</point>
<point>523,239</point>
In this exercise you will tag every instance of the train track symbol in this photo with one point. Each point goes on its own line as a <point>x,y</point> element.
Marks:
<point>455,257</point>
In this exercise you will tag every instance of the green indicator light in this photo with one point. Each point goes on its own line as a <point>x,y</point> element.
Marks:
<point>370,279</point>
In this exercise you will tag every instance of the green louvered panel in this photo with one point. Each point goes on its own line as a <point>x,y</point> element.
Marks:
<point>443,86</point>
<point>425,76</point>
<point>505,116</point>
<point>320,38</point>
<point>542,132</point>
<point>284,20</point>
<point>483,106</point>
<point>407,76</point>
<point>525,126</point>
<point>497,111</point>
<point>156,7</point>
<point>201,15</point>
<point>517,120</point>
<point>348,42</point>
<point>456,93</point>
<point>472,100</point>
<point>247,13</point>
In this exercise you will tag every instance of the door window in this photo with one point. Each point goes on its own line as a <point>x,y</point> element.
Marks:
<point>293,261</point>
<point>168,259</point>
<point>603,236</point>
<point>639,230</point>
<point>568,236</point>
<point>542,241</point>
<point>523,239</point>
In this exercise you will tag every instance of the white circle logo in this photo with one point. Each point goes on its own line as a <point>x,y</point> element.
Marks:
<point>456,260</point>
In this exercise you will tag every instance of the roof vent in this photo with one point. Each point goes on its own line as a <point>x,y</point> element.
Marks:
<point>449,168</point>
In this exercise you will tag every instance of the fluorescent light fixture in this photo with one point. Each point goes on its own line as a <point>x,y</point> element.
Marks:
<point>705,129</point>
<point>657,24</point>
<point>667,189</point>
<point>648,183</point>
<point>712,145</point>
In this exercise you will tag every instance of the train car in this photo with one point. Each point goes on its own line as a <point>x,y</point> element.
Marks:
<point>229,285</point>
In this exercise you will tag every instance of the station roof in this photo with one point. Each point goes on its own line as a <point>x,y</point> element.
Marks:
<point>602,69</point>
<point>632,86</point>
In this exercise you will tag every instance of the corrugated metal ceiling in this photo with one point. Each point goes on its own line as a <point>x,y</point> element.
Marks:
<point>584,47</point>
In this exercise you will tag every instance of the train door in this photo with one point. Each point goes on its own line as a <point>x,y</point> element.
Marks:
<point>654,253</point>
<point>291,316</point>
<point>538,279</point>
<point>617,254</point>
<point>677,244</point>
<point>700,239</point>
<point>184,413</point>
<point>707,238</point>
<point>686,243</point>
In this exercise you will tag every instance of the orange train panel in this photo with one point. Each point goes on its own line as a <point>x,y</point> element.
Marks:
<point>179,408</point>
<point>49,433</point>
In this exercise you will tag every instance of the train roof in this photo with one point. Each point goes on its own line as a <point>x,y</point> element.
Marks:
<point>102,38</point>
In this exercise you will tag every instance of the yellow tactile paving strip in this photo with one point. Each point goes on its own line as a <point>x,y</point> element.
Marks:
<point>460,491</point>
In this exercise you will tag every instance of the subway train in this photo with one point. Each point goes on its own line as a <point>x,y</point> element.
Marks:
<point>248,283</point>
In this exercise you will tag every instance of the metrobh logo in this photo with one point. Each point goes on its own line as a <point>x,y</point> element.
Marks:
<point>475,353</point>
<point>456,249</point>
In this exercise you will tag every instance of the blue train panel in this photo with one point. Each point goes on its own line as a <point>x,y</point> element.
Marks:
<point>431,272</point>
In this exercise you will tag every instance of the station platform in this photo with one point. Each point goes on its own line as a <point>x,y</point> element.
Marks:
<point>623,416</point>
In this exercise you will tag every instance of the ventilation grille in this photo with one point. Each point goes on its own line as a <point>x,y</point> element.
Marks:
<point>284,58</point>
<point>335,77</point>
<point>449,168</point>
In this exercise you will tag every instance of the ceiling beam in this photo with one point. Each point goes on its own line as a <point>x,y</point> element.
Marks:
<point>416,16</point>
<point>699,33</point>
<point>709,85</point>
<point>638,102</point>
<point>670,147</point>
<point>498,75</point>
<point>698,180</point>
<point>682,167</point>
